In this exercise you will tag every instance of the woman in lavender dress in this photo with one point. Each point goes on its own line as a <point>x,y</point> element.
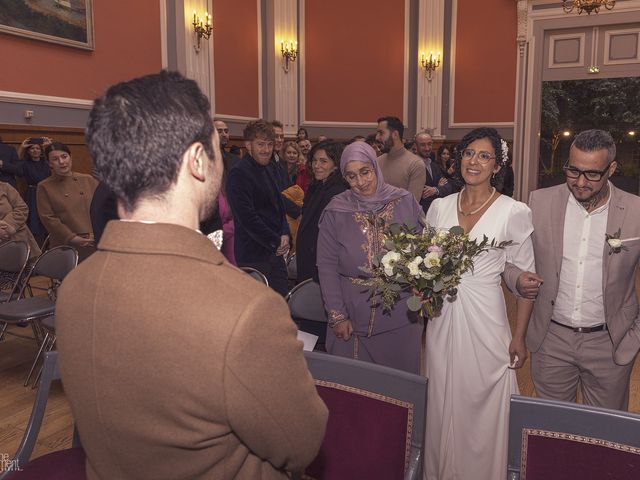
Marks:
<point>351,235</point>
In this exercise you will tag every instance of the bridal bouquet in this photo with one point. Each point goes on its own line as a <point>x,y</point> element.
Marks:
<point>430,265</point>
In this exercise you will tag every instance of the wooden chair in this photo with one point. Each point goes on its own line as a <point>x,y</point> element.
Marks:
<point>376,420</point>
<point>552,440</point>
<point>61,465</point>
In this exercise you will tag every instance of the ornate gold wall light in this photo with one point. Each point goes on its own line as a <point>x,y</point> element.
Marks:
<point>289,51</point>
<point>587,5</point>
<point>429,64</point>
<point>202,28</point>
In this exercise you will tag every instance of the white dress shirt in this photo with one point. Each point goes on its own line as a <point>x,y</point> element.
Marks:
<point>580,297</point>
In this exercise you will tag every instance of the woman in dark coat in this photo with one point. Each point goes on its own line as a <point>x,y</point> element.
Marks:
<point>327,182</point>
<point>34,168</point>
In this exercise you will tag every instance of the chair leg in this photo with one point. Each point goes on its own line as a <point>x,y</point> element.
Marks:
<point>52,343</point>
<point>35,360</point>
<point>3,329</point>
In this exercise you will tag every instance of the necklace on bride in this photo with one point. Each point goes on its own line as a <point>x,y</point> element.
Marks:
<point>468,214</point>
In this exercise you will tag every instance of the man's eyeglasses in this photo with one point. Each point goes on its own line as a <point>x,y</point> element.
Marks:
<point>591,175</point>
<point>483,157</point>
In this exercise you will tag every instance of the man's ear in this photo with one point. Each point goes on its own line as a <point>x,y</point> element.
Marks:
<point>196,159</point>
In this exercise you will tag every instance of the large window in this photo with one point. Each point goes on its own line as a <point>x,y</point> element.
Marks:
<point>570,106</point>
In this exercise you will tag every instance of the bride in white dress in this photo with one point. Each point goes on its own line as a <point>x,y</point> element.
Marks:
<point>470,353</point>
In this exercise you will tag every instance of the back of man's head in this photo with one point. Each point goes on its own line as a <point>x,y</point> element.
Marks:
<point>394,124</point>
<point>139,131</point>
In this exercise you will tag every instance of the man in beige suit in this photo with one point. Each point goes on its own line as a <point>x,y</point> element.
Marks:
<point>585,327</point>
<point>176,364</point>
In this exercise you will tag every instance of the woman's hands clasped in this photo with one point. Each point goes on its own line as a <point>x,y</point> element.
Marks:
<point>343,330</point>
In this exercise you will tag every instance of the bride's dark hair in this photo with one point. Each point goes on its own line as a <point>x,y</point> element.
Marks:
<point>490,134</point>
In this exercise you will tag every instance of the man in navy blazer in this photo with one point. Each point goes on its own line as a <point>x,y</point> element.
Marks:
<point>431,190</point>
<point>261,231</point>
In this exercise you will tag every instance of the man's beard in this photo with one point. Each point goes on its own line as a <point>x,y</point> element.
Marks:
<point>594,199</point>
<point>387,145</point>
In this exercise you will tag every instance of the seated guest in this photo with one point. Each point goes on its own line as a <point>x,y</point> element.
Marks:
<point>327,182</point>
<point>446,163</point>
<point>261,232</point>
<point>34,168</point>
<point>9,165</point>
<point>13,219</point>
<point>350,235</point>
<point>64,201</point>
<point>176,364</point>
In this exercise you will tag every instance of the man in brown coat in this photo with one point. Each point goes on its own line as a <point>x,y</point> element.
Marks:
<point>176,364</point>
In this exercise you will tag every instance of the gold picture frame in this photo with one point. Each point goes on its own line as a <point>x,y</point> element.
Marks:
<point>65,22</point>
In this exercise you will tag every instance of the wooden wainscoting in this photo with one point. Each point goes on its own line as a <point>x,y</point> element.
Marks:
<point>74,138</point>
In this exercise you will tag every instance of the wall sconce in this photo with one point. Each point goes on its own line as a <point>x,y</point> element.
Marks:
<point>202,28</point>
<point>429,64</point>
<point>587,5</point>
<point>289,51</point>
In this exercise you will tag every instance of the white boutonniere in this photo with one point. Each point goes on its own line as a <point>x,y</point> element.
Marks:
<point>616,244</point>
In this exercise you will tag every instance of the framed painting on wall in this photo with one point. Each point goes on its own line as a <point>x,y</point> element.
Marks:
<point>67,22</point>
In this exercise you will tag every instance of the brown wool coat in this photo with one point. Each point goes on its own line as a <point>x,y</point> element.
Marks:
<point>179,366</point>
<point>63,206</point>
<point>13,218</point>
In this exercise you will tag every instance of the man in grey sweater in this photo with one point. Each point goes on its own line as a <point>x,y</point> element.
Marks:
<point>400,167</point>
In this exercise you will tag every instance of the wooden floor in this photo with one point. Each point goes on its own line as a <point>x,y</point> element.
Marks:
<point>16,355</point>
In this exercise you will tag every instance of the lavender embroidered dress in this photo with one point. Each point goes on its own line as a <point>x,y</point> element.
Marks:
<point>350,235</point>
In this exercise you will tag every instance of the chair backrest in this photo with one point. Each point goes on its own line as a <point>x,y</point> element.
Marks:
<point>554,440</point>
<point>56,262</point>
<point>257,274</point>
<point>50,372</point>
<point>305,301</point>
<point>376,420</point>
<point>14,256</point>
<point>292,267</point>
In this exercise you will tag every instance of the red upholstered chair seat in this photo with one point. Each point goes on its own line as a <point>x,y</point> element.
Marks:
<point>559,456</point>
<point>62,465</point>
<point>368,435</point>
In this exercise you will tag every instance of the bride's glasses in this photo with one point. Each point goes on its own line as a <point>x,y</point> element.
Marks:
<point>483,157</point>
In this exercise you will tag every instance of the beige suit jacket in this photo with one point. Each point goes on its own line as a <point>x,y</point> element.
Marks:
<point>177,365</point>
<point>548,207</point>
<point>13,219</point>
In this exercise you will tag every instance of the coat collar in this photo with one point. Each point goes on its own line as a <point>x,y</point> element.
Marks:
<point>158,239</point>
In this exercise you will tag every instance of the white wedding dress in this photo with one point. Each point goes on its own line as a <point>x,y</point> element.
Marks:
<point>467,356</point>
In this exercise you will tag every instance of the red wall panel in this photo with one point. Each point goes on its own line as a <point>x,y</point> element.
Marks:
<point>127,45</point>
<point>235,30</point>
<point>485,63</point>
<point>354,59</point>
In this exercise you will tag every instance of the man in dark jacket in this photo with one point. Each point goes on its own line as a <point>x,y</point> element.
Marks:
<point>432,189</point>
<point>261,230</point>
